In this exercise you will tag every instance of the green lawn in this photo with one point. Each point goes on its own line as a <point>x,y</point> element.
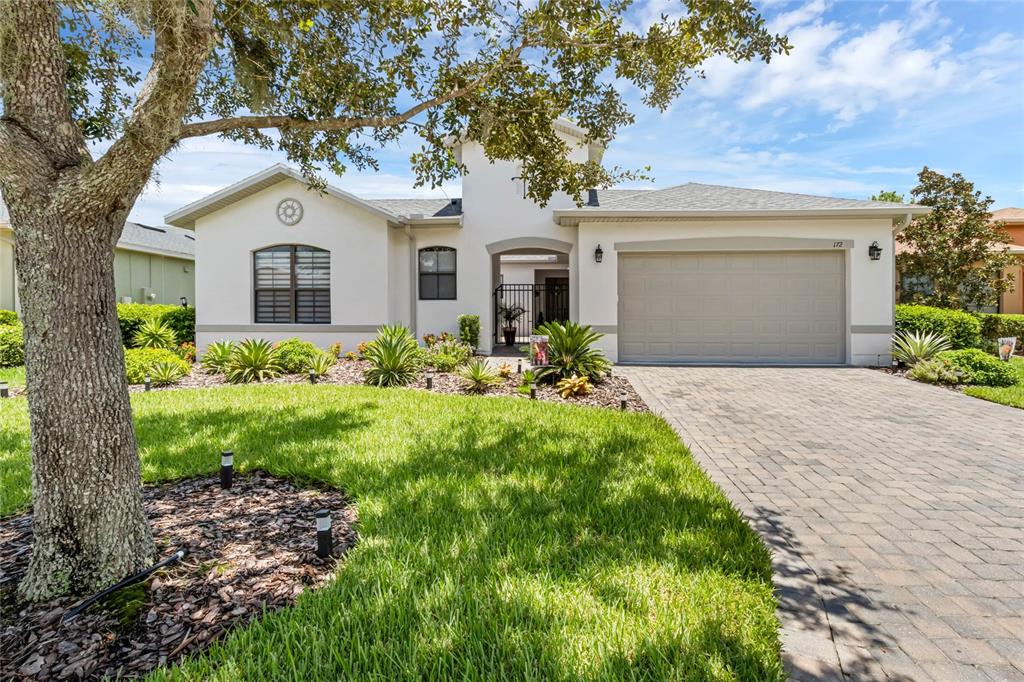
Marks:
<point>1007,395</point>
<point>15,376</point>
<point>499,538</point>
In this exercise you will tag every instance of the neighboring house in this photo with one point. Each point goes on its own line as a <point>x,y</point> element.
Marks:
<point>1011,301</point>
<point>694,273</point>
<point>1013,218</point>
<point>151,264</point>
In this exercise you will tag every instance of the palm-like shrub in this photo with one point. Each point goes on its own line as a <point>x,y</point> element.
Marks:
<point>321,363</point>
<point>478,376</point>
<point>394,357</point>
<point>166,373</point>
<point>571,351</point>
<point>573,386</point>
<point>155,333</point>
<point>218,356</point>
<point>911,347</point>
<point>252,360</point>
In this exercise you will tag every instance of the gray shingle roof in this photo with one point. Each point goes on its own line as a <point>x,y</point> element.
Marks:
<point>428,208</point>
<point>694,196</point>
<point>164,238</point>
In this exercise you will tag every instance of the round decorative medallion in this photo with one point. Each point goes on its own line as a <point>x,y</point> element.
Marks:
<point>289,211</point>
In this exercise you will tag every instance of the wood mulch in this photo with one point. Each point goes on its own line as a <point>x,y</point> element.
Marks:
<point>249,549</point>
<point>607,393</point>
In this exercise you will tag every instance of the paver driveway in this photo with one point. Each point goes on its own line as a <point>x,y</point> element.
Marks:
<point>895,511</point>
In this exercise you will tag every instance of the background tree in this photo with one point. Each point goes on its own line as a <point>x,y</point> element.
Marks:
<point>888,195</point>
<point>325,81</point>
<point>957,247</point>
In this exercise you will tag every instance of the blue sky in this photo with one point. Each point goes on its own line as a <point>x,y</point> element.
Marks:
<point>870,93</point>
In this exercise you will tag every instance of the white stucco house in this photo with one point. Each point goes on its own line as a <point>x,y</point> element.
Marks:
<point>689,274</point>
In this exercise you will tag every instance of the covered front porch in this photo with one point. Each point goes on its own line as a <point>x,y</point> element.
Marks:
<point>531,287</point>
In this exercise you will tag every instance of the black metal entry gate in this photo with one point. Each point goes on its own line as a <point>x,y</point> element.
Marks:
<point>540,303</point>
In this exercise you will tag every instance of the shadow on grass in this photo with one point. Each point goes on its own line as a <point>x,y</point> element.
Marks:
<point>499,539</point>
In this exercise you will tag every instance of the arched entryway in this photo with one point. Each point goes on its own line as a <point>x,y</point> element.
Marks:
<point>532,284</point>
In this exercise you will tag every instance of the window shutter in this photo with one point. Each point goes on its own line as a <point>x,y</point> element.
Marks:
<point>292,285</point>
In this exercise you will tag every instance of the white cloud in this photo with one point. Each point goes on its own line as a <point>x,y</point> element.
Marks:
<point>798,17</point>
<point>201,166</point>
<point>844,70</point>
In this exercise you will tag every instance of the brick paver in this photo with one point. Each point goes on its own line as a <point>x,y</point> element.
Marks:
<point>894,510</point>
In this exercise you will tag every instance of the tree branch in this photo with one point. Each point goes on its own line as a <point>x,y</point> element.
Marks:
<point>222,125</point>
<point>183,40</point>
<point>34,83</point>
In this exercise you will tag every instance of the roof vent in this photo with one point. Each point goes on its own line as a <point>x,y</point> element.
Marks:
<point>592,197</point>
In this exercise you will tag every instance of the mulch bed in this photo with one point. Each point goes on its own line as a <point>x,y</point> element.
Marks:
<point>249,549</point>
<point>345,372</point>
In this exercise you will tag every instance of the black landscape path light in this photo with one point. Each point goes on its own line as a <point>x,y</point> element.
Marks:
<point>519,367</point>
<point>533,391</point>
<point>623,402</point>
<point>324,542</point>
<point>5,391</point>
<point>227,468</point>
<point>148,383</point>
<point>312,377</point>
<point>430,381</point>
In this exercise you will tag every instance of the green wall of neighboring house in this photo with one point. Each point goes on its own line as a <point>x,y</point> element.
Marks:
<point>6,274</point>
<point>137,274</point>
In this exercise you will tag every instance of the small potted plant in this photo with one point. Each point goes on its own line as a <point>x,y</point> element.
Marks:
<point>510,313</point>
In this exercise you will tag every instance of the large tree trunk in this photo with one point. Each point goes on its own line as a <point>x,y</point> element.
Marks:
<point>67,212</point>
<point>90,527</point>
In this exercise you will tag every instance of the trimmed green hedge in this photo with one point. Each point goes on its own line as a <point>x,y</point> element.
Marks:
<point>130,317</point>
<point>183,322</point>
<point>8,317</point>
<point>294,355</point>
<point>978,367</point>
<point>962,329</point>
<point>12,345</point>
<point>997,326</point>
<point>138,362</point>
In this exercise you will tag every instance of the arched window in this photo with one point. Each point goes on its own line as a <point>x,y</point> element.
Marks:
<point>437,273</point>
<point>292,285</point>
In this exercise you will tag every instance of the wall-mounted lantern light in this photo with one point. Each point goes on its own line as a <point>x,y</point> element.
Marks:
<point>184,301</point>
<point>875,251</point>
<point>598,254</point>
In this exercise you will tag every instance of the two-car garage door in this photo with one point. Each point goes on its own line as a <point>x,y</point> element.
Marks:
<point>743,307</point>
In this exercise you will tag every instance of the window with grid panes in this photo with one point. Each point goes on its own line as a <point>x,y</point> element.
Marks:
<point>437,273</point>
<point>292,285</point>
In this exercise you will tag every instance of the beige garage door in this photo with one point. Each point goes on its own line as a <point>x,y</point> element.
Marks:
<point>754,307</point>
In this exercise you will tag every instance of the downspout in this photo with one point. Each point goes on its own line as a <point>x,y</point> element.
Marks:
<point>895,274</point>
<point>412,281</point>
